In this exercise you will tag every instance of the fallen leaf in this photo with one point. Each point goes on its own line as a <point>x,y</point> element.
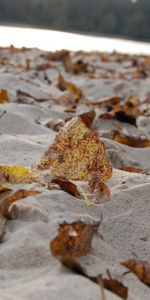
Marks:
<point>4,96</point>
<point>132,169</point>
<point>8,212</point>
<point>132,141</point>
<point>15,174</point>
<point>58,55</point>
<point>88,117</point>
<point>108,102</point>
<point>114,286</point>
<point>43,67</point>
<point>74,94</point>
<point>126,112</point>
<point>74,239</point>
<point>140,268</point>
<point>76,68</point>
<point>76,154</point>
<point>67,186</point>
<point>18,195</point>
<point>110,284</point>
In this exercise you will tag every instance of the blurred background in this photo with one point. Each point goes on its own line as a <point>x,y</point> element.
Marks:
<point>118,18</point>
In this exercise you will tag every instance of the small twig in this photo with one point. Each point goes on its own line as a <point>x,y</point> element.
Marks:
<point>87,201</point>
<point>125,273</point>
<point>4,112</point>
<point>101,284</point>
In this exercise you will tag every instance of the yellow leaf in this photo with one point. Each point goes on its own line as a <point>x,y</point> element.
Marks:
<point>76,154</point>
<point>15,174</point>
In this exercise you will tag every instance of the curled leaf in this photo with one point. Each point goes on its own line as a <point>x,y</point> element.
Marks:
<point>114,286</point>
<point>74,94</point>
<point>67,186</point>
<point>109,283</point>
<point>8,212</point>
<point>132,141</point>
<point>18,195</point>
<point>140,268</point>
<point>74,239</point>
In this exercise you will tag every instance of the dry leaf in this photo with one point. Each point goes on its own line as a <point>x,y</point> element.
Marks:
<point>110,284</point>
<point>88,117</point>
<point>74,239</point>
<point>74,94</point>
<point>132,169</point>
<point>6,202</point>
<point>6,211</point>
<point>107,102</point>
<point>76,154</point>
<point>67,186</point>
<point>114,286</point>
<point>4,96</point>
<point>140,268</point>
<point>133,141</point>
<point>15,174</point>
<point>76,68</point>
<point>58,55</point>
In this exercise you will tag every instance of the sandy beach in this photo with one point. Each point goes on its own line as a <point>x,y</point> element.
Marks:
<point>40,102</point>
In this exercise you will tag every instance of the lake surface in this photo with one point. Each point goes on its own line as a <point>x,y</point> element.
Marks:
<point>55,40</point>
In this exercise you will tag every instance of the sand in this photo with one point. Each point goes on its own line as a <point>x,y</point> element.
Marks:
<point>27,268</point>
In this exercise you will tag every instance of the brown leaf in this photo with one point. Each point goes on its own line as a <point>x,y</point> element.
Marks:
<point>108,102</point>
<point>76,154</point>
<point>74,94</point>
<point>140,268</point>
<point>58,55</point>
<point>74,239</point>
<point>43,67</point>
<point>67,186</point>
<point>18,195</point>
<point>88,117</point>
<point>132,169</point>
<point>4,96</point>
<point>76,68</point>
<point>115,286</point>
<point>8,212</point>
<point>110,284</point>
<point>132,141</point>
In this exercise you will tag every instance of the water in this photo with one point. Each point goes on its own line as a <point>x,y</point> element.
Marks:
<point>55,40</point>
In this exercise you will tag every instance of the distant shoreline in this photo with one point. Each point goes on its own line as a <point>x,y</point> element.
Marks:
<point>92,34</point>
